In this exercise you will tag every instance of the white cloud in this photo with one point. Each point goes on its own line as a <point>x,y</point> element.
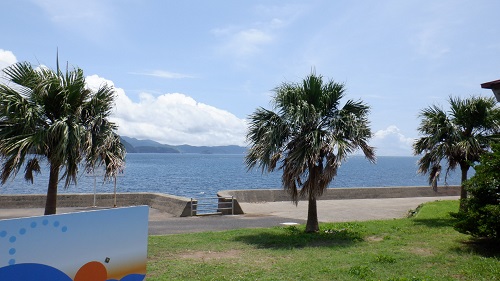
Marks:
<point>243,42</point>
<point>6,58</point>
<point>248,41</point>
<point>163,74</point>
<point>283,14</point>
<point>173,119</point>
<point>437,26</point>
<point>70,12</point>
<point>391,142</point>
<point>91,18</point>
<point>429,42</point>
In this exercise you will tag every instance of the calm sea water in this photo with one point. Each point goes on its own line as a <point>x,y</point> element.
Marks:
<point>197,175</point>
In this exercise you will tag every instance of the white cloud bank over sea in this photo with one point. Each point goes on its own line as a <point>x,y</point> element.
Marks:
<point>391,142</point>
<point>174,119</point>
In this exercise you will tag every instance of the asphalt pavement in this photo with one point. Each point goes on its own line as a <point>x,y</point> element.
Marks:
<point>266,214</point>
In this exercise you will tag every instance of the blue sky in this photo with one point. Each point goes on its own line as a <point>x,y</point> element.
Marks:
<point>192,71</point>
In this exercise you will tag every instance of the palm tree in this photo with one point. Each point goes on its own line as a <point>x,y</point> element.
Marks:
<point>309,134</point>
<point>53,115</point>
<point>458,136</point>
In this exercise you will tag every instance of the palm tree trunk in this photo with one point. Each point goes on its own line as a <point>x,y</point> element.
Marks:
<point>51,203</point>
<point>312,215</point>
<point>464,167</point>
<point>463,193</point>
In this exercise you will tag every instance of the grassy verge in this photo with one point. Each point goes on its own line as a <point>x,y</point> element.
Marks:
<point>424,247</point>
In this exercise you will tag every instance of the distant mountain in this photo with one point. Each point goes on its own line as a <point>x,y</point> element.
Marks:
<point>136,142</point>
<point>155,149</point>
<point>128,147</point>
<point>133,145</point>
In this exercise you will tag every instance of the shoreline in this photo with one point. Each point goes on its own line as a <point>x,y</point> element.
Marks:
<point>182,206</point>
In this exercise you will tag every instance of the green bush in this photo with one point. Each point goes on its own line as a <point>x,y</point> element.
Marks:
<point>480,216</point>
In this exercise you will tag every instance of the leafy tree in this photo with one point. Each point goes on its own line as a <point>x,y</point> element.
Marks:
<point>53,115</point>
<point>308,136</point>
<point>480,216</point>
<point>458,136</point>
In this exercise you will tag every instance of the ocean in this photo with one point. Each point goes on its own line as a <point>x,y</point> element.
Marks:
<point>203,175</point>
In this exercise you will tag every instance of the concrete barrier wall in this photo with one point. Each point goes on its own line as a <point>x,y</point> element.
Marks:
<point>181,206</point>
<point>176,205</point>
<point>274,195</point>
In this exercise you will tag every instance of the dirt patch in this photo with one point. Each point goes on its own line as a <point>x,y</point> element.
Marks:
<point>209,255</point>
<point>374,239</point>
<point>423,252</point>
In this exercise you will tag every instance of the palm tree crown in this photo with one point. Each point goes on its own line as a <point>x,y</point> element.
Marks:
<point>309,135</point>
<point>458,136</point>
<point>53,115</point>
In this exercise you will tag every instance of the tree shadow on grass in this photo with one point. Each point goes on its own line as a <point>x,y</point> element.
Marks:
<point>435,223</point>
<point>291,237</point>
<point>484,247</point>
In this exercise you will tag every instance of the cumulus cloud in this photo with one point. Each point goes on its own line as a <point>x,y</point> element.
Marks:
<point>6,58</point>
<point>391,142</point>
<point>173,119</point>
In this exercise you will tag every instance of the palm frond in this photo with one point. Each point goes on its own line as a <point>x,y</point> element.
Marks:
<point>309,133</point>
<point>268,134</point>
<point>53,114</point>
<point>458,136</point>
<point>32,166</point>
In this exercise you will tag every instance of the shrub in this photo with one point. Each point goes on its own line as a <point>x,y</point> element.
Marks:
<point>480,216</point>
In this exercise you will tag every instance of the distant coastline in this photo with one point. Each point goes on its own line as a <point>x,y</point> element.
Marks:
<point>133,145</point>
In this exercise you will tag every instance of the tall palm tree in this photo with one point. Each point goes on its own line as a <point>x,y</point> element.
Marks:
<point>458,136</point>
<point>53,115</point>
<point>309,135</point>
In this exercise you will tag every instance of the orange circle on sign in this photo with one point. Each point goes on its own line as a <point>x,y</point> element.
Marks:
<point>92,271</point>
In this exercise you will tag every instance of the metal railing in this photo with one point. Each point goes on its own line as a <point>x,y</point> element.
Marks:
<point>212,206</point>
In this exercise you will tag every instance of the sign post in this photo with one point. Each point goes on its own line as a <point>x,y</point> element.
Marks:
<point>96,172</point>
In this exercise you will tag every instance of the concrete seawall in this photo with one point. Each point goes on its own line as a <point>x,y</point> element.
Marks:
<point>175,205</point>
<point>274,195</point>
<point>181,206</point>
<point>277,195</point>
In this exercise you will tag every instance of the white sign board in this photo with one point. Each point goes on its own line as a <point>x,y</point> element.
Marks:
<point>101,245</point>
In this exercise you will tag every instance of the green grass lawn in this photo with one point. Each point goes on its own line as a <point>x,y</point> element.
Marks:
<point>424,247</point>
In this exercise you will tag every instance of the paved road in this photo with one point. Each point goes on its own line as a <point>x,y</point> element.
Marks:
<point>266,214</point>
